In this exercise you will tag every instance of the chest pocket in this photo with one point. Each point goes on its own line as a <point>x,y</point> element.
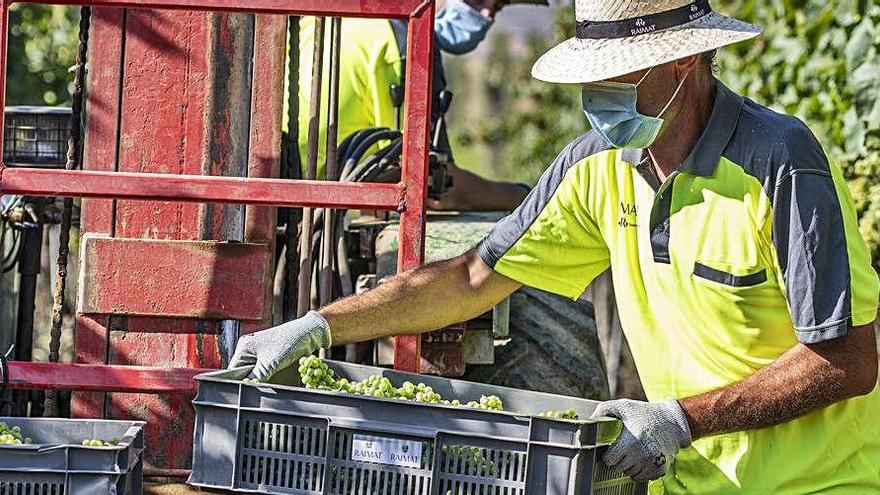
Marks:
<point>720,241</point>
<point>725,277</point>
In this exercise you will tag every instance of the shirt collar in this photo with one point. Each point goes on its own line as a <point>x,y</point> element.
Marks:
<point>719,129</point>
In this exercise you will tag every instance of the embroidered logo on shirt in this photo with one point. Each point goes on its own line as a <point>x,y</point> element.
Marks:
<point>627,215</point>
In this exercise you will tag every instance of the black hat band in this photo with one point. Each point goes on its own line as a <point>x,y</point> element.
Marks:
<point>645,24</point>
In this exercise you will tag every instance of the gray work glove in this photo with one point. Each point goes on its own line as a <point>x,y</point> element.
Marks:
<point>270,351</point>
<point>652,434</point>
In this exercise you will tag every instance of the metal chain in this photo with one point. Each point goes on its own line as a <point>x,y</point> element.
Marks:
<point>74,161</point>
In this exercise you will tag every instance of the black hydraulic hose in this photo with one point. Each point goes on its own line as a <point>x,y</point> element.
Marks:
<point>348,143</point>
<point>355,152</point>
<point>373,139</point>
<point>384,164</point>
<point>365,145</point>
<point>347,159</point>
<point>342,268</point>
<point>353,141</point>
<point>357,173</point>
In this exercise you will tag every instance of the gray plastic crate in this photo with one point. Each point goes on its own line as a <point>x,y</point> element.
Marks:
<point>56,463</point>
<point>283,439</point>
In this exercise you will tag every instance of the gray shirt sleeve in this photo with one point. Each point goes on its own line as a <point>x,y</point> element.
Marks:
<point>811,241</point>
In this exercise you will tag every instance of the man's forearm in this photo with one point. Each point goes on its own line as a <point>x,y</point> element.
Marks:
<point>806,378</point>
<point>419,300</point>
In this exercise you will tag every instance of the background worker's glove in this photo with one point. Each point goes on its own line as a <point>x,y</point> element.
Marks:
<point>652,434</point>
<point>272,350</point>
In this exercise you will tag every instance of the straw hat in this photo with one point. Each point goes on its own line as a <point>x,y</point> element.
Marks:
<point>616,37</point>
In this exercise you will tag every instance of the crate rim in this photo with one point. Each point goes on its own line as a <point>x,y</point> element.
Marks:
<point>124,442</point>
<point>59,110</point>
<point>216,376</point>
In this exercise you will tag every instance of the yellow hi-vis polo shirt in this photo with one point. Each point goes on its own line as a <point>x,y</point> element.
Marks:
<point>370,62</point>
<point>750,247</point>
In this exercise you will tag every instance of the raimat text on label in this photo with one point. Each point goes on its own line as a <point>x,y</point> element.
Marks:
<point>368,454</point>
<point>641,28</point>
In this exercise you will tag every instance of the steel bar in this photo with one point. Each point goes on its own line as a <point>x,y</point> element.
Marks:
<point>304,296</point>
<point>293,171</point>
<point>328,243</point>
<point>264,148</point>
<point>28,270</point>
<point>351,8</point>
<point>102,378</point>
<point>414,164</point>
<point>198,188</point>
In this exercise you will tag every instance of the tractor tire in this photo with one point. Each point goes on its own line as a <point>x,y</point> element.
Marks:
<point>553,347</point>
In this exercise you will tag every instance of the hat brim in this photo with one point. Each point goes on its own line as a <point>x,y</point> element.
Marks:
<point>590,60</point>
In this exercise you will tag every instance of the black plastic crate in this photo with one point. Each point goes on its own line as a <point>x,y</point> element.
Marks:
<point>36,136</point>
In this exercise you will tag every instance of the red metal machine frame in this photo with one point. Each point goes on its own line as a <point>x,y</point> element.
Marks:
<point>407,197</point>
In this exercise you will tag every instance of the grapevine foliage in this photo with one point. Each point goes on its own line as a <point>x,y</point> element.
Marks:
<point>819,60</point>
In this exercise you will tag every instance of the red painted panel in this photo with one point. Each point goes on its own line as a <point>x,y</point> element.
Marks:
<point>407,348</point>
<point>168,417</point>
<point>164,96</point>
<point>100,153</point>
<point>102,109</point>
<point>188,279</point>
<point>442,358</point>
<point>103,378</point>
<point>355,8</point>
<point>163,126</point>
<point>194,188</point>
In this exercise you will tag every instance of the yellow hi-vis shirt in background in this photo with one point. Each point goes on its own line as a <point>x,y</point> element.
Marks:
<point>749,248</point>
<point>370,62</point>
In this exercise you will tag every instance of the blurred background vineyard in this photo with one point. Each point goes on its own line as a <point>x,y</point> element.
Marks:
<point>42,48</point>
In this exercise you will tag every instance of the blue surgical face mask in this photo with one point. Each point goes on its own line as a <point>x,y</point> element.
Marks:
<point>459,28</point>
<point>611,109</point>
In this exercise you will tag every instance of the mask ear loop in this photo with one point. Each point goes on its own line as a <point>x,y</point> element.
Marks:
<point>646,75</point>
<point>674,94</point>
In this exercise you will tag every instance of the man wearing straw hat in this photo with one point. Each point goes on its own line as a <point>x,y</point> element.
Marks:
<point>744,289</point>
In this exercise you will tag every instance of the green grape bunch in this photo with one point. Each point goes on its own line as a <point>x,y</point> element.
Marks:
<point>568,414</point>
<point>96,442</point>
<point>12,435</point>
<point>316,374</point>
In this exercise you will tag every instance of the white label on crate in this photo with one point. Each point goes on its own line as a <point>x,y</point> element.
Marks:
<point>386,451</point>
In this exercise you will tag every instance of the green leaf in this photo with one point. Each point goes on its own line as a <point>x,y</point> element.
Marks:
<point>861,44</point>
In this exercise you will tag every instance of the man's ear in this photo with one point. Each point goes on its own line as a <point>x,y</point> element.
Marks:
<point>685,65</point>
